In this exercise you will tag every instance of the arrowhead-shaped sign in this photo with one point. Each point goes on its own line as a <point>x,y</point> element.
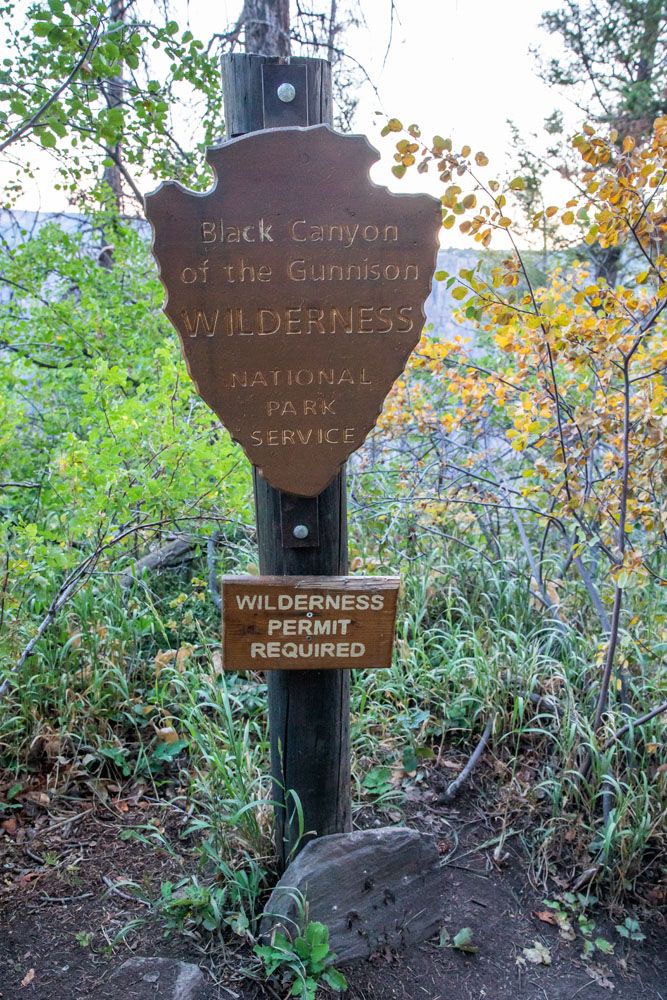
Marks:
<point>297,286</point>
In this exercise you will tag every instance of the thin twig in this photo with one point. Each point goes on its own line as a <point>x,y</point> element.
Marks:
<point>454,788</point>
<point>81,574</point>
<point>34,119</point>
<point>634,723</point>
<point>63,900</point>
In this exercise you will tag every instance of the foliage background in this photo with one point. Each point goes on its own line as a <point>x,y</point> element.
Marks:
<point>516,482</point>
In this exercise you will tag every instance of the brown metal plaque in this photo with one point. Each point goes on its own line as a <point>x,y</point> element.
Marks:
<point>308,622</point>
<point>297,286</point>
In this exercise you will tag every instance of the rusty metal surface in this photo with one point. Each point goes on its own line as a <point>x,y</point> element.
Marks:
<point>297,286</point>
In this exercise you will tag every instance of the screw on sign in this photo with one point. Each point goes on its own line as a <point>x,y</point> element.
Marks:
<point>297,287</point>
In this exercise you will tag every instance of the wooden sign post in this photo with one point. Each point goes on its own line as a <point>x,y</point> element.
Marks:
<point>297,287</point>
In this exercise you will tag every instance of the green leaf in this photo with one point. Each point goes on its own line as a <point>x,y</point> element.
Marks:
<point>410,762</point>
<point>47,139</point>
<point>463,941</point>
<point>335,979</point>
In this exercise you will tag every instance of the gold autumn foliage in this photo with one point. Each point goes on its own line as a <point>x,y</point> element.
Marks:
<point>548,399</point>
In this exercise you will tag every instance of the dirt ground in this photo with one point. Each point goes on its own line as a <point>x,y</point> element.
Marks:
<point>66,922</point>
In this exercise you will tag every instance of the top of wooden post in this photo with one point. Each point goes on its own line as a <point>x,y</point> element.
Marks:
<point>242,91</point>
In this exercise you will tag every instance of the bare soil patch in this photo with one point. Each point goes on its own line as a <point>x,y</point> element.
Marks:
<point>69,920</point>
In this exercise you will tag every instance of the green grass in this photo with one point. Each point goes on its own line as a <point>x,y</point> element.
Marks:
<point>100,694</point>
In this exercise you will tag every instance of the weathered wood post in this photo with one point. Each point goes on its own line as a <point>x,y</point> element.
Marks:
<point>308,709</point>
<point>297,288</point>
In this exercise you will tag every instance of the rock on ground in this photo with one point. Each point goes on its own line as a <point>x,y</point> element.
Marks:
<point>372,888</point>
<point>154,979</point>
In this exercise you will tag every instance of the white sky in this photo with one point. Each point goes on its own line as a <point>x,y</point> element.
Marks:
<point>458,68</point>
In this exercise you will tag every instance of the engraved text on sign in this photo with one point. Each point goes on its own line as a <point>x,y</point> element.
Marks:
<point>297,287</point>
<point>307,622</point>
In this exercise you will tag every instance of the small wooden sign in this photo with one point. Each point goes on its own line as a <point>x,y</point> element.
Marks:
<point>297,286</point>
<point>308,622</point>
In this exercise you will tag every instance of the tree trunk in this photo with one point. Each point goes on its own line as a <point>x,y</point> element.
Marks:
<point>115,93</point>
<point>267,27</point>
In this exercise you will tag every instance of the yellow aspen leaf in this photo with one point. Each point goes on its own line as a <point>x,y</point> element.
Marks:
<point>481,159</point>
<point>628,144</point>
<point>459,293</point>
<point>551,211</point>
<point>469,201</point>
<point>504,221</point>
<point>518,184</point>
<point>465,151</point>
<point>567,218</point>
<point>167,734</point>
<point>448,222</point>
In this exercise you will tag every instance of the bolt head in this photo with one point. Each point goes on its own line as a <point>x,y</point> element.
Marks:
<point>286,93</point>
<point>300,531</point>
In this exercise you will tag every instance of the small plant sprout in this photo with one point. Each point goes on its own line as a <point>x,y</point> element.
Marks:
<point>303,962</point>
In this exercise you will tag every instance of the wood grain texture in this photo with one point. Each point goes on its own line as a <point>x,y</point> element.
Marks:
<point>297,287</point>
<point>308,622</point>
<point>309,711</point>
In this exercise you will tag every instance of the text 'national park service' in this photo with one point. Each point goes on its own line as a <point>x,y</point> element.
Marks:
<point>297,287</point>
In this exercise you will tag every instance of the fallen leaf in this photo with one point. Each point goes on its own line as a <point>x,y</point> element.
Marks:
<point>463,941</point>
<point>586,876</point>
<point>28,978</point>
<point>183,655</point>
<point>27,878</point>
<point>546,916</point>
<point>10,826</point>
<point>600,975</point>
<point>452,765</point>
<point>163,659</point>
<point>37,798</point>
<point>168,734</point>
<point>538,954</point>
